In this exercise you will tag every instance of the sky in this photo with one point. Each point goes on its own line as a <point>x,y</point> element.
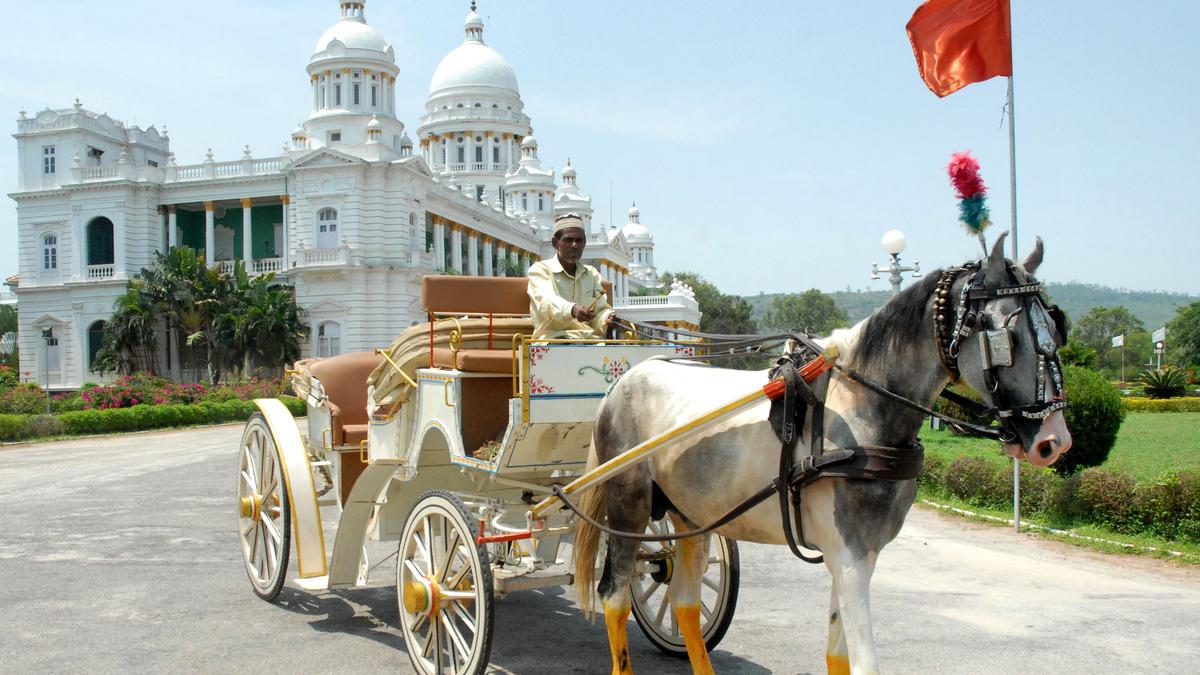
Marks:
<point>768,145</point>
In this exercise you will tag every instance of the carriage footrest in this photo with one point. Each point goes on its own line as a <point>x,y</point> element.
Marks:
<point>320,583</point>
<point>527,582</point>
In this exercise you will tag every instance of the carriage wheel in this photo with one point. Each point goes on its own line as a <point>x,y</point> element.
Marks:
<point>718,591</point>
<point>444,584</point>
<point>264,514</point>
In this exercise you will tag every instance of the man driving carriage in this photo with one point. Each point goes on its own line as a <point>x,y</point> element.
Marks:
<point>566,297</point>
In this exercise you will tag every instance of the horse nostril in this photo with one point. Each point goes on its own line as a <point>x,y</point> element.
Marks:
<point>1045,449</point>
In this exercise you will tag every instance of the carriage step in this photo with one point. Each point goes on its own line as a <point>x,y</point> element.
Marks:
<point>531,581</point>
<point>320,583</point>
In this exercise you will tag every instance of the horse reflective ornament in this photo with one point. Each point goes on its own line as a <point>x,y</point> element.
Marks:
<point>983,322</point>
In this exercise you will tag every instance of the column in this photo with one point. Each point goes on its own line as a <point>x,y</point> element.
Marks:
<point>172,228</point>
<point>286,243</point>
<point>488,268</point>
<point>449,156</point>
<point>604,272</point>
<point>246,242</point>
<point>469,150</point>
<point>472,253</point>
<point>210,234</point>
<point>456,247</point>
<point>487,150</point>
<point>514,259</point>
<point>439,244</point>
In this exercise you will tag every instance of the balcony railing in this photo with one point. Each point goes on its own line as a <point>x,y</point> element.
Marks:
<point>179,173</point>
<point>97,272</point>
<point>323,257</point>
<point>475,114</point>
<point>266,265</point>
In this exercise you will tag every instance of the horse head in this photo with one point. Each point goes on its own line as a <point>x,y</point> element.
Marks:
<point>1011,354</point>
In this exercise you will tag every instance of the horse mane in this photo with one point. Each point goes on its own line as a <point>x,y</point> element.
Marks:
<point>900,321</point>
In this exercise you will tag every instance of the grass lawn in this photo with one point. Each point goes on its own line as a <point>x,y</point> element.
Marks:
<point>1148,445</point>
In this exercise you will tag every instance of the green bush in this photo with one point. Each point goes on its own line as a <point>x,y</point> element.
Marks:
<point>1038,487</point>
<point>1165,383</point>
<point>1094,415</point>
<point>11,427</point>
<point>1107,498</point>
<point>23,399</point>
<point>1163,405</point>
<point>956,411</point>
<point>299,408</point>
<point>969,479</point>
<point>8,378</point>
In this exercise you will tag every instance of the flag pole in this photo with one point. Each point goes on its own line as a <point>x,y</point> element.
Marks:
<point>1012,181</point>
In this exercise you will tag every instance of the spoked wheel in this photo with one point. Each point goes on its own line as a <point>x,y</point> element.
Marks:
<point>264,515</point>
<point>718,591</point>
<point>444,584</point>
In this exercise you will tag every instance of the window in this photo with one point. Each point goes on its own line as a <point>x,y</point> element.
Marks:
<point>374,95</point>
<point>50,252</point>
<point>478,105</point>
<point>524,201</point>
<point>151,162</point>
<point>541,202</point>
<point>356,88</point>
<point>335,137</point>
<point>329,339</point>
<point>95,341</point>
<point>47,159</point>
<point>327,228</point>
<point>462,151</point>
<point>495,154</point>
<point>337,94</point>
<point>323,104</point>
<point>479,153</point>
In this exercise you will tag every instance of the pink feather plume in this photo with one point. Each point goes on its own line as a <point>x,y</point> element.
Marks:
<point>964,174</point>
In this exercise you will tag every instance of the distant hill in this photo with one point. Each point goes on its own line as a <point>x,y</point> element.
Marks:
<point>1154,308</point>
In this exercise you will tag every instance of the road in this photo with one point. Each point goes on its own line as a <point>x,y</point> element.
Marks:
<point>119,554</point>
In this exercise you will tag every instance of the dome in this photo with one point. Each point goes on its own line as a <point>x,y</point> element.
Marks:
<point>634,212</point>
<point>636,233</point>
<point>298,131</point>
<point>374,123</point>
<point>405,141</point>
<point>353,33</point>
<point>474,64</point>
<point>529,142</point>
<point>569,171</point>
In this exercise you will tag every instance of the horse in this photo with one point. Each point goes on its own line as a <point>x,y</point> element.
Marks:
<point>984,322</point>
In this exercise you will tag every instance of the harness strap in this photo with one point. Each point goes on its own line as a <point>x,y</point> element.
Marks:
<point>874,386</point>
<point>789,497</point>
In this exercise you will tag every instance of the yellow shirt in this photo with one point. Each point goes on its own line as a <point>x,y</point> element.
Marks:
<point>552,294</point>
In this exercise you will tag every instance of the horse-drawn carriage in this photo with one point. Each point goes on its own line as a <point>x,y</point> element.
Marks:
<point>443,442</point>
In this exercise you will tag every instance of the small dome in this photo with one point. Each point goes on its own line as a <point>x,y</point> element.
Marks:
<point>569,172</point>
<point>529,142</point>
<point>353,33</point>
<point>405,141</point>
<point>374,123</point>
<point>474,20</point>
<point>634,213</point>
<point>636,233</point>
<point>298,132</point>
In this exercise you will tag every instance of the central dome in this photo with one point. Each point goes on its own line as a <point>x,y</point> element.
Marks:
<point>353,33</point>
<point>473,64</point>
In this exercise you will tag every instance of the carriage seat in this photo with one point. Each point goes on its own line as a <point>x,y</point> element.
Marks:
<point>344,379</point>
<point>478,296</point>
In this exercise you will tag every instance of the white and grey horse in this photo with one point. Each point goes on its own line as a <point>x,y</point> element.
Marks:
<point>902,346</point>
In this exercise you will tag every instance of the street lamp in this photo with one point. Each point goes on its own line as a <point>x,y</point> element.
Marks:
<point>893,243</point>
<point>48,338</point>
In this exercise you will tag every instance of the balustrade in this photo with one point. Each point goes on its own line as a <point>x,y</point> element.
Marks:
<point>97,272</point>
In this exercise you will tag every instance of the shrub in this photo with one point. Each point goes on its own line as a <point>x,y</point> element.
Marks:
<point>8,378</point>
<point>1161,405</point>
<point>1165,383</point>
<point>23,399</point>
<point>66,402</point>
<point>42,425</point>
<point>11,427</point>
<point>1094,415</point>
<point>933,473</point>
<point>299,408</point>
<point>1107,498</point>
<point>969,479</point>
<point>180,393</point>
<point>1038,487</point>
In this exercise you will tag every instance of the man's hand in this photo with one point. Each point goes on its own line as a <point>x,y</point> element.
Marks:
<point>608,321</point>
<point>583,314</point>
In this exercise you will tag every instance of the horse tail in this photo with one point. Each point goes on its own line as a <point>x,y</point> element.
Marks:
<point>587,540</point>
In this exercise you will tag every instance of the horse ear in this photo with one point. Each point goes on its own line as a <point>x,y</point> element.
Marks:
<point>1034,260</point>
<point>996,271</point>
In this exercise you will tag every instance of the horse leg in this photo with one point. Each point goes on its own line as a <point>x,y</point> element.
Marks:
<point>851,646</point>
<point>691,559</point>
<point>629,513</point>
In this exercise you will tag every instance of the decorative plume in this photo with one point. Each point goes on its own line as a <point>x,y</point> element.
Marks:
<point>972,193</point>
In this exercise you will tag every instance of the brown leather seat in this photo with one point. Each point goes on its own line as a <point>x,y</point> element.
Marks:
<point>344,379</point>
<point>475,360</point>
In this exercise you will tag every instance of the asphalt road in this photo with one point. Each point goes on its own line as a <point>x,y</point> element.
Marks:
<point>119,554</point>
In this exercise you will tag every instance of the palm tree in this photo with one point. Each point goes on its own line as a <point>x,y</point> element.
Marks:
<point>130,340</point>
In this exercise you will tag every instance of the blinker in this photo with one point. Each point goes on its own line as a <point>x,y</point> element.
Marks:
<point>995,347</point>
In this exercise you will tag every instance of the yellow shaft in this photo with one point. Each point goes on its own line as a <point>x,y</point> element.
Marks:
<point>646,449</point>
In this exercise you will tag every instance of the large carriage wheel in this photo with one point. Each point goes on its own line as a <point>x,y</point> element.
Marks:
<point>264,515</point>
<point>718,591</point>
<point>444,584</point>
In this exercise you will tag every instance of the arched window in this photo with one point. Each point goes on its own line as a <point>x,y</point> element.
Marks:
<point>541,202</point>
<point>327,228</point>
<point>95,341</point>
<point>329,339</point>
<point>524,201</point>
<point>100,241</point>
<point>50,252</point>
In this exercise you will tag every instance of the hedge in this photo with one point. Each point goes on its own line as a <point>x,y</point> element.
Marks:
<point>1168,507</point>
<point>1161,405</point>
<point>135,418</point>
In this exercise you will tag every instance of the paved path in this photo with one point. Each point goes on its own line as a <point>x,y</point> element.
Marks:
<point>119,554</point>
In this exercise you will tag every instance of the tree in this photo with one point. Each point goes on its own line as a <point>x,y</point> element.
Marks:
<point>727,314</point>
<point>1183,336</point>
<point>8,324</point>
<point>1100,325</point>
<point>130,342</point>
<point>811,312</point>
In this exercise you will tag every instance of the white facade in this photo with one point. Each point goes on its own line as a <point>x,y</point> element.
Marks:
<point>349,214</point>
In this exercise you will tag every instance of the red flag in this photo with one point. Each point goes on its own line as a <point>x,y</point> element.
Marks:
<point>958,42</point>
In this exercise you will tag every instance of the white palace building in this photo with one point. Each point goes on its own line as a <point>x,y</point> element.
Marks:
<point>353,213</point>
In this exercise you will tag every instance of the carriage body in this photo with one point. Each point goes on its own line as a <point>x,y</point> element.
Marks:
<point>485,426</point>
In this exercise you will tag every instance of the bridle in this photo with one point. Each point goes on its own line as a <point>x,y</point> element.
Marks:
<point>956,319</point>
